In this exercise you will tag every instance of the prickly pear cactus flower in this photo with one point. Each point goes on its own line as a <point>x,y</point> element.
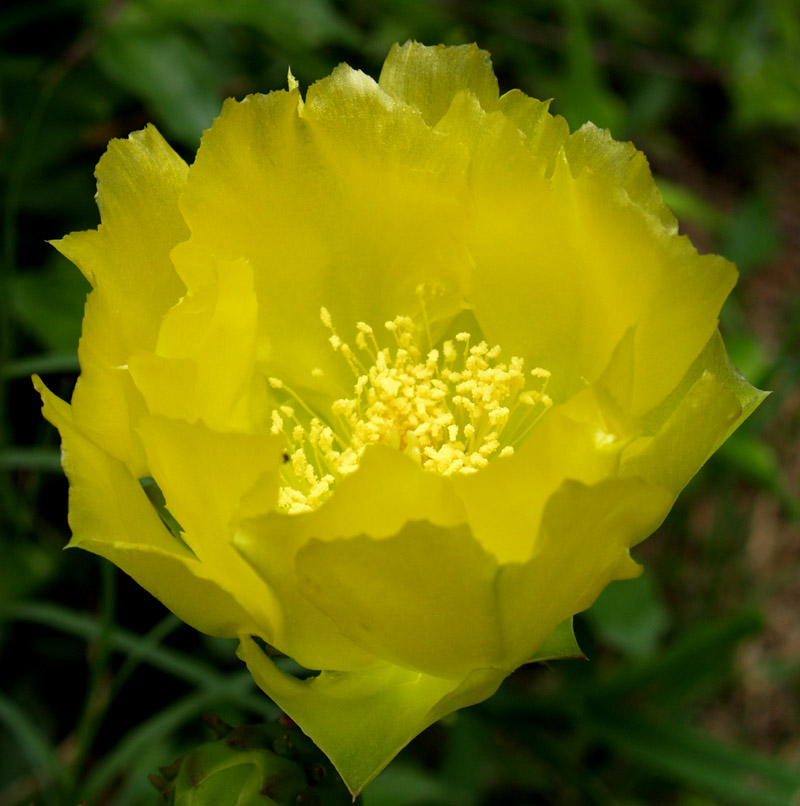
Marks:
<point>390,379</point>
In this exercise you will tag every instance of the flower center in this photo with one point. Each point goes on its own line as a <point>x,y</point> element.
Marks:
<point>451,410</point>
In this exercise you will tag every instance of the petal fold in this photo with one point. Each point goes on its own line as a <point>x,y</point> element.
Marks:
<point>210,481</point>
<point>438,612</point>
<point>377,500</point>
<point>562,247</point>
<point>582,545</point>
<point>204,363</point>
<point>110,515</point>
<point>139,180</point>
<point>712,401</point>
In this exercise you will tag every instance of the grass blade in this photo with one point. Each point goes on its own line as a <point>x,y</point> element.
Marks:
<point>34,744</point>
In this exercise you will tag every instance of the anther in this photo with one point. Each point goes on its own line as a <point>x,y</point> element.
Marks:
<point>449,419</point>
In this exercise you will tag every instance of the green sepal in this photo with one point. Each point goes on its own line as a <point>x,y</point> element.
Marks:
<point>560,644</point>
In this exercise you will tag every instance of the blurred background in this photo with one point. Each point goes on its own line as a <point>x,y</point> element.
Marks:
<point>692,693</point>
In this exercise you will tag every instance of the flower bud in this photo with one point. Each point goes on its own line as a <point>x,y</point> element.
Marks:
<point>255,765</point>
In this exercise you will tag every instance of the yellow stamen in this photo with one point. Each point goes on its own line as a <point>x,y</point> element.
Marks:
<point>446,410</point>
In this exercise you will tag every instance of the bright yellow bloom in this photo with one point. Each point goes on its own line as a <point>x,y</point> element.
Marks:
<point>412,367</point>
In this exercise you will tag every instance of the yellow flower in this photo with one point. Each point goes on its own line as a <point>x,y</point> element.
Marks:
<point>412,368</point>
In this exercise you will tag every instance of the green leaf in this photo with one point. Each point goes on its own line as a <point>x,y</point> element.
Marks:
<point>49,305</point>
<point>167,70</point>
<point>585,96</point>
<point>42,459</point>
<point>729,772</point>
<point>176,663</point>
<point>26,566</point>
<point>630,615</point>
<point>403,785</point>
<point>697,662</point>
<point>34,744</point>
<point>751,236</point>
<point>306,23</point>
<point>61,362</point>
<point>466,758</point>
<point>758,461</point>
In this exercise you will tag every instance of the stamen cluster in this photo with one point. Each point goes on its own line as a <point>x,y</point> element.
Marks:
<point>450,410</point>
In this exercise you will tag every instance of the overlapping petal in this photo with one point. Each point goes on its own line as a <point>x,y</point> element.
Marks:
<point>139,181</point>
<point>362,206</point>
<point>203,366</point>
<point>110,515</point>
<point>377,501</point>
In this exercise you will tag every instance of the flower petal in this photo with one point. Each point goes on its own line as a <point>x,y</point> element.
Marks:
<point>378,499</point>
<point>210,481</point>
<point>544,134</point>
<point>505,501</point>
<point>106,405</point>
<point>126,259</point>
<point>139,180</point>
<point>365,204</point>
<point>427,78</point>
<point>361,720</point>
<point>204,363</point>
<point>559,248</point>
<point>438,611</point>
<point>582,545</point>
<point>110,515</point>
<point>595,150</point>
<point>712,401</point>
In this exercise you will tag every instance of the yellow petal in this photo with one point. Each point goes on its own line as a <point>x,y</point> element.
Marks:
<point>361,720</point>
<point>556,251</point>
<point>544,134</point>
<point>139,180</point>
<point>592,149</point>
<point>438,612</point>
<point>713,400</point>
<point>386,492</point>
<point>210,481</point>
<point>505,501</point>
<point>364,205</point>
<point>427,78</point>
<point>204,362</point>
<point>582,545</point>
<point>106,404</point>
<point>110,515</point>
<point>126,259</point>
